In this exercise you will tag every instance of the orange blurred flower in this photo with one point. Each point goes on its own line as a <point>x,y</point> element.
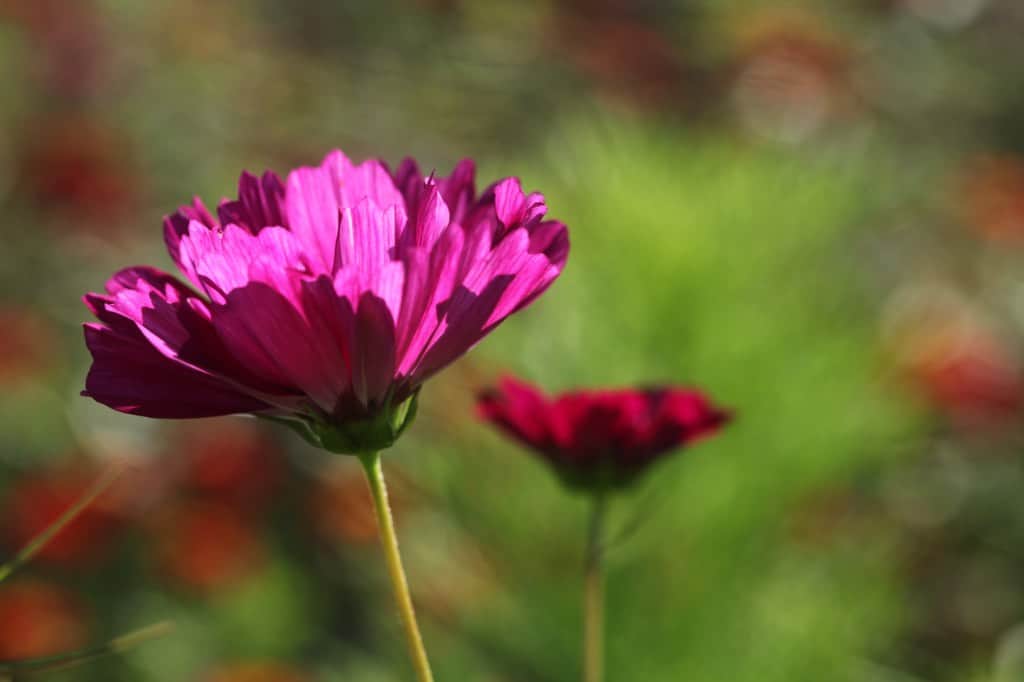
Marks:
<point>954,354</point>
<point>793,75</point>
<point>623,49</point>
<point>38,619</point>
<point>206,546</point>
<point>992,190</point>
<point>33,503</point>
<point>256,672</point>
<point>971,377</point>
<point>69,55</point>
<point>825,516</point>
<point>26,346</point>
<point>232,459</point>
<point>342,509</point>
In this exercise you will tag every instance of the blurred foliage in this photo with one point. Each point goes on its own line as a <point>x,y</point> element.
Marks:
<point>815,211</point>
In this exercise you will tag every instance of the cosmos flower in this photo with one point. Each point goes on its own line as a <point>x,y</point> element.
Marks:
<point>324,300</point>
<point>601,438</point>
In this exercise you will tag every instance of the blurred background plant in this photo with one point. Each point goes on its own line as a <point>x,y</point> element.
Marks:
<point>814,210</point>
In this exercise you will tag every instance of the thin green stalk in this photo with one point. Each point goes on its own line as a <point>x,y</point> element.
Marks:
<point>593,593</point>
<point>375,477</point>
<point>26,553</point>
<point>118,645</point>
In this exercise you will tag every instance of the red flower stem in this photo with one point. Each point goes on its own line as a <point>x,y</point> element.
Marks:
<point>26,553</point>
<point>593,593</point>
<point>389,541</point>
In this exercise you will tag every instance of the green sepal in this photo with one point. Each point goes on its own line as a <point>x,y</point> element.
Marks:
<point>354,436</point>
<point>603,475</point>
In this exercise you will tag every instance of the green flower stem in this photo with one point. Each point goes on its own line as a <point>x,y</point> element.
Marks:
<point>116,646</point>
<point>593,593</point>
<point>26,553</point>
<point>375,477</point>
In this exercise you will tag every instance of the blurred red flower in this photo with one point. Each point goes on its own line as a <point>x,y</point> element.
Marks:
<point>34,502</point>
<point>80,168</point>
<point>206,546</point>
<point>39,619</point>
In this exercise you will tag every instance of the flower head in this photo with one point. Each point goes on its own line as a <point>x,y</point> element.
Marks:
<point>601,438</point>
<point>325,300</point>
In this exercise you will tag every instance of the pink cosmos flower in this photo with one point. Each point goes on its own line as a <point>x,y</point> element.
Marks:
<point>324,300</point>
<point>601,438</point>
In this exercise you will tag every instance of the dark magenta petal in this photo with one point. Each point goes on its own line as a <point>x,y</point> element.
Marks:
<point>458,190</point>
<point>428,218</point>
<point>260,203</point>
<point>266,332</point>
<point>131,376</point>
<point>464,324</point>
<point>374,358</point>
<point>176,226</point>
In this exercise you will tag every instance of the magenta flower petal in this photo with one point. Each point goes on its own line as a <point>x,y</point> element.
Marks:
<point>428,218</point>
<point>365,238</point>
<point>513,207</point>
<point>260,203</point>
<point>457,190</point>
<point>131,376</point>
<point>504,281</point>
<point>266,333</point>
<point>326,299</point>
<point>317,196</point>
<point>430,282</point>
<point>176,227</point>
<point>219,261</point>
<point>148,305</point>
<point>373,366</point>
<point>601,438</point>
